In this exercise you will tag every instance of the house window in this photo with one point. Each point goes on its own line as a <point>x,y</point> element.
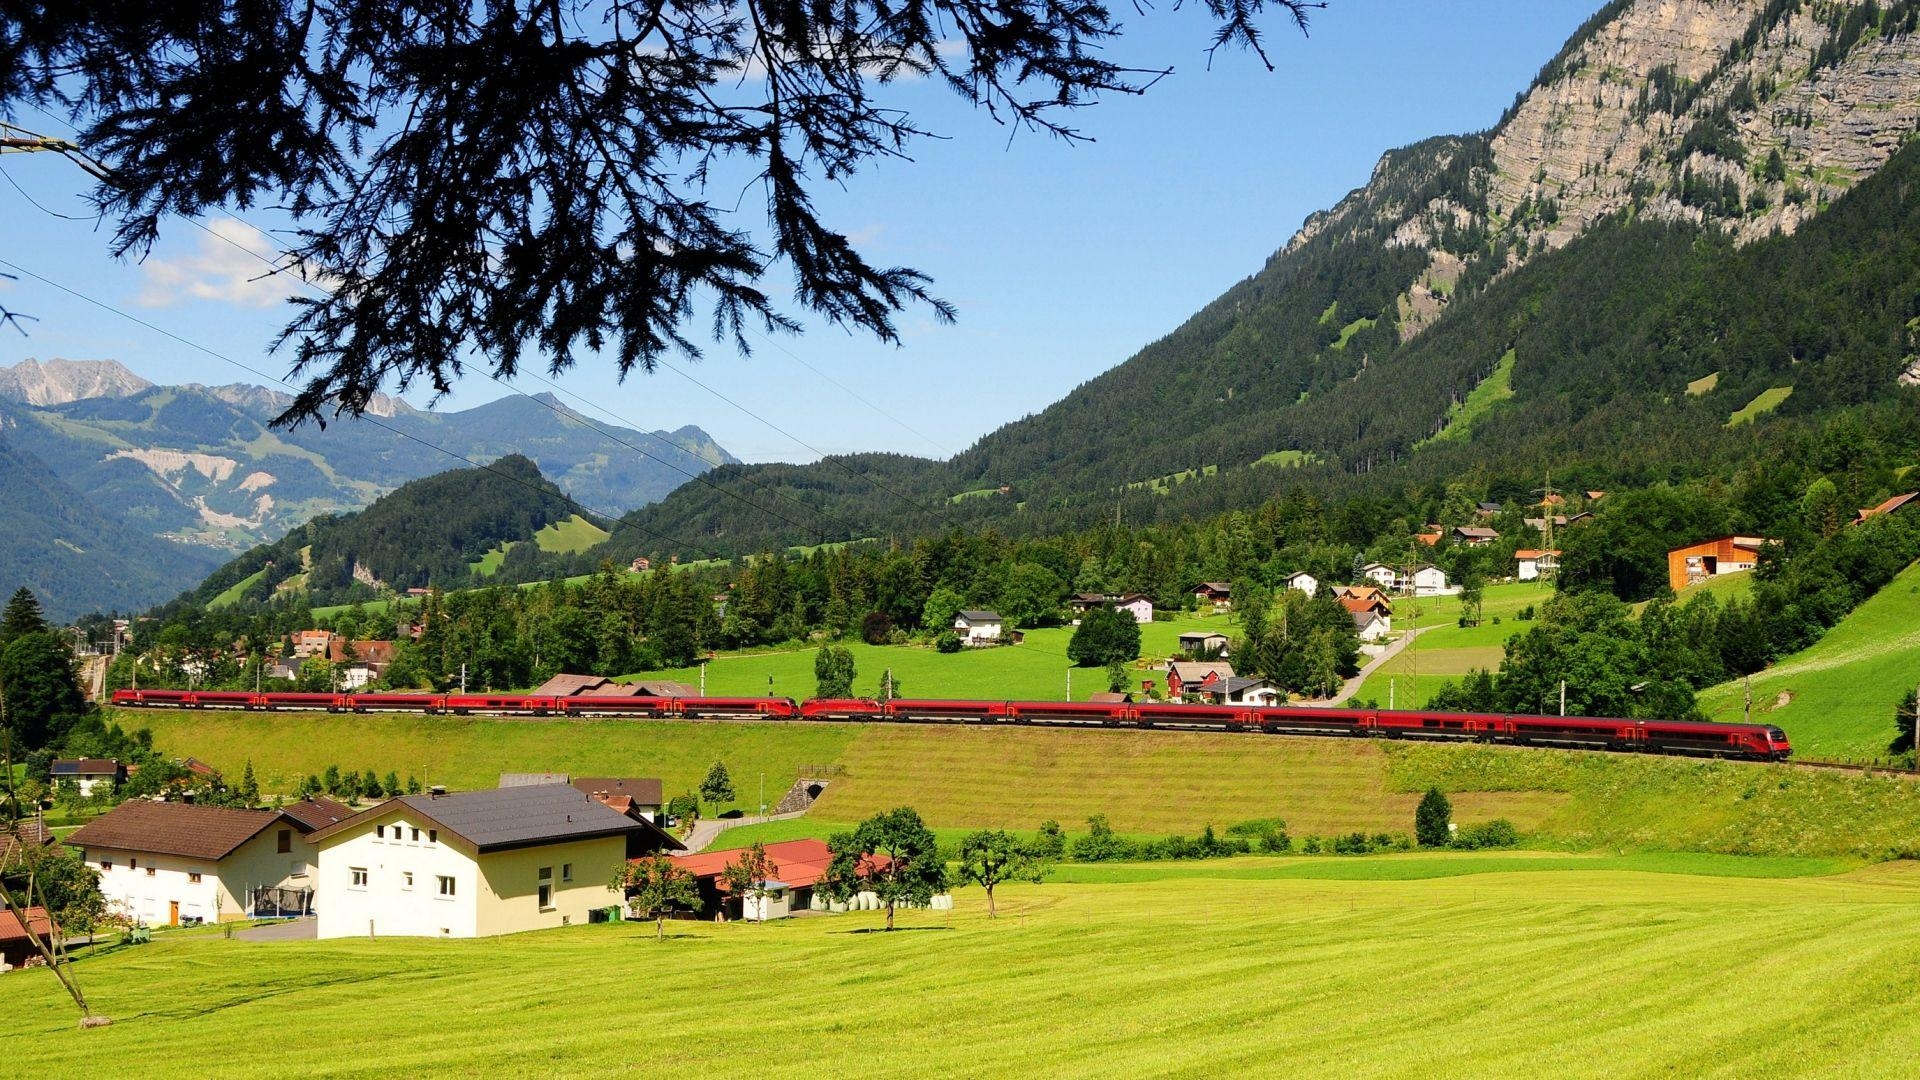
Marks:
<point>379,832</point>
<point>416,836</point>
<point>106,864</point>
<point>286,842</point>
<point>149,871</point>
<point>133,864</point>
<point>433,836</point>
<point>566,871</point>
<point>358,877</point>
<point>406,880</point>
<point>546,888</point>
<point>193,879</point>
<point>446,886</point>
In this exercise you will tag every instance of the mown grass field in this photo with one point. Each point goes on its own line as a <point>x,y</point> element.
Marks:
<point>1448,650</point>
<point>1488,392</point>
<point>1836,698</point>
<point>1146,782</point>
<point>1762,404</point>
<point>1563,972</point>
<point>1036,670</point>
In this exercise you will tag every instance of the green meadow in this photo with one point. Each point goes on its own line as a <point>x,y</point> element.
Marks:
<point>1362,968</point>
<point>1835,699</point>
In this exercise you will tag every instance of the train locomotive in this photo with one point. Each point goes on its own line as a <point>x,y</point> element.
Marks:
<point>1752,742</point>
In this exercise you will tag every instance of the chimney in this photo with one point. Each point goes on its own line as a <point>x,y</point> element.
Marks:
<point>437,791</point>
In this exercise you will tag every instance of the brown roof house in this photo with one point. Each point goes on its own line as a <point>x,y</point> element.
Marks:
<point>628,794</point>
<point>173,864</point>
<point>474,863</point>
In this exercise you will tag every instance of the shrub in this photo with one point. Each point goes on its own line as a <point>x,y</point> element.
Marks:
<point>1430,819</point>
<point>1101,844</point>
<point>876,628</point>
<point>1051,843</point>
<point>1267,835</point>
<point>947,642</point>
<point>1498,833</point>
<point>1311,846</point>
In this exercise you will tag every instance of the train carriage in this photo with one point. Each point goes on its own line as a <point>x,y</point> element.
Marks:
<point>720,708</point>
<point>943,711</point>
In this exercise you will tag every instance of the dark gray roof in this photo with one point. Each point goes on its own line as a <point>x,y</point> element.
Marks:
<point>503,818</point>
<point>980,616</point>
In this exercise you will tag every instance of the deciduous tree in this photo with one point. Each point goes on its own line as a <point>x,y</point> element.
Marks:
<point>1104,636</point>
<point>717,788</point>
<point>991,856</point>
<point>747,875</point>
<point>653,887</point>
<point>40,691</point>
<point>893,855</point>
<point>1431,818</point>
<point>833,672</point>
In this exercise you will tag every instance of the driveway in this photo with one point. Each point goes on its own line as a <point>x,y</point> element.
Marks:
<point>1352,686</point>
<point>287,930</point>
<point>707,830</point>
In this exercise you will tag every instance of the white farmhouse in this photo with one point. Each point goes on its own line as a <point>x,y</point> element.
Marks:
<point>89,774</point>
<point>1371,626</point>
<point>473,864</point>
<point>1303,581</point>
<point>1432,581</point>
<point>1532,564</point>
<point>978,627</point>
<point>1135,605</point>
<point>1386,577</point>
<point>169,864</point>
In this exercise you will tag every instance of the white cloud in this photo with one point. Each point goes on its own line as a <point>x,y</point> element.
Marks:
<point>226,268</point>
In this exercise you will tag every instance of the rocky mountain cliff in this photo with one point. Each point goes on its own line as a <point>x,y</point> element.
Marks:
<point>1567,274</point>
<point>57,381</point>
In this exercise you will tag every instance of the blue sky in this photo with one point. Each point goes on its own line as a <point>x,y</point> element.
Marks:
<point>1063,260</point>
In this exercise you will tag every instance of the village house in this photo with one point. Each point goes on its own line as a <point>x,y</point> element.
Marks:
<point>90,774</point>
<point>632,795</point>
<point>175,864</point>
<point>1238,690</point>
<point>1134,604</point>
<point>1532,564</point>
<point>474,863</point>
<point>1370,625</point>
<point>1431,538</point>
<point>1217,593</point>
<point>1368,594</point>
<point>1193,676</point>
<point>1302,581</point>
<point>1474,535</point>
<point>1197,643</point>
<point>640,565</point>
<point>310,643</point>
<point>1382,575</point>
<point>1695,563</point>
<point>1432,581</point>
<point>1487,509</point>
<point>978,628</point>
<point>23,837</point>
<point>16,948</point>
<point>1893,505</point>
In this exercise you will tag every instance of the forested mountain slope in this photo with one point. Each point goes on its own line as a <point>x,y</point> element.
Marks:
<point>1575,266</point>
<point>199,464</point>
<point>74,558</point>
<point>428,532</point>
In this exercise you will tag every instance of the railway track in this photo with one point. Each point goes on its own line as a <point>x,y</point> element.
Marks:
<point>1848,766</point>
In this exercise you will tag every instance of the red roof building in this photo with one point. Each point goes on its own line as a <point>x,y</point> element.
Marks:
<point>15,946</point>
<point>1896,503</point>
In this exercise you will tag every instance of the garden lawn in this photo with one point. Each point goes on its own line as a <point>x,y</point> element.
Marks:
<point>1835,699</point>
<point>1604,972</point>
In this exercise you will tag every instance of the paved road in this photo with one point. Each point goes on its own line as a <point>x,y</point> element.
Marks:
<point>1352,686</point>
<point>707,830</point>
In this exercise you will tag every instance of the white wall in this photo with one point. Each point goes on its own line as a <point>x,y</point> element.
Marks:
<point>388,904</point>
<point>222,891</point>
<point>495,893</point>
<point>1306,583</point>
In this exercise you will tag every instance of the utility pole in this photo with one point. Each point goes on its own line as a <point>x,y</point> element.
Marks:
<point>463,676</point>
<point>1747,682</point>
<point>703,678</point>
<point>1563,697</point>
<point>1069,684</point>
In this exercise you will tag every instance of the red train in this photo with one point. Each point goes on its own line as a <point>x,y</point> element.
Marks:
<point>1757,742</point>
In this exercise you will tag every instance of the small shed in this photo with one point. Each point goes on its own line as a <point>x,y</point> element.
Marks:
<point>1197,643</point>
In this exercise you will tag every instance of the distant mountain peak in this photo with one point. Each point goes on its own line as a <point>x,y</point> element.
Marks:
<point>59,381</point>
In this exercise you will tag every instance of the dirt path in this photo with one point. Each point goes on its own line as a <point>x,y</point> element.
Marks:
<point>707,830</point>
